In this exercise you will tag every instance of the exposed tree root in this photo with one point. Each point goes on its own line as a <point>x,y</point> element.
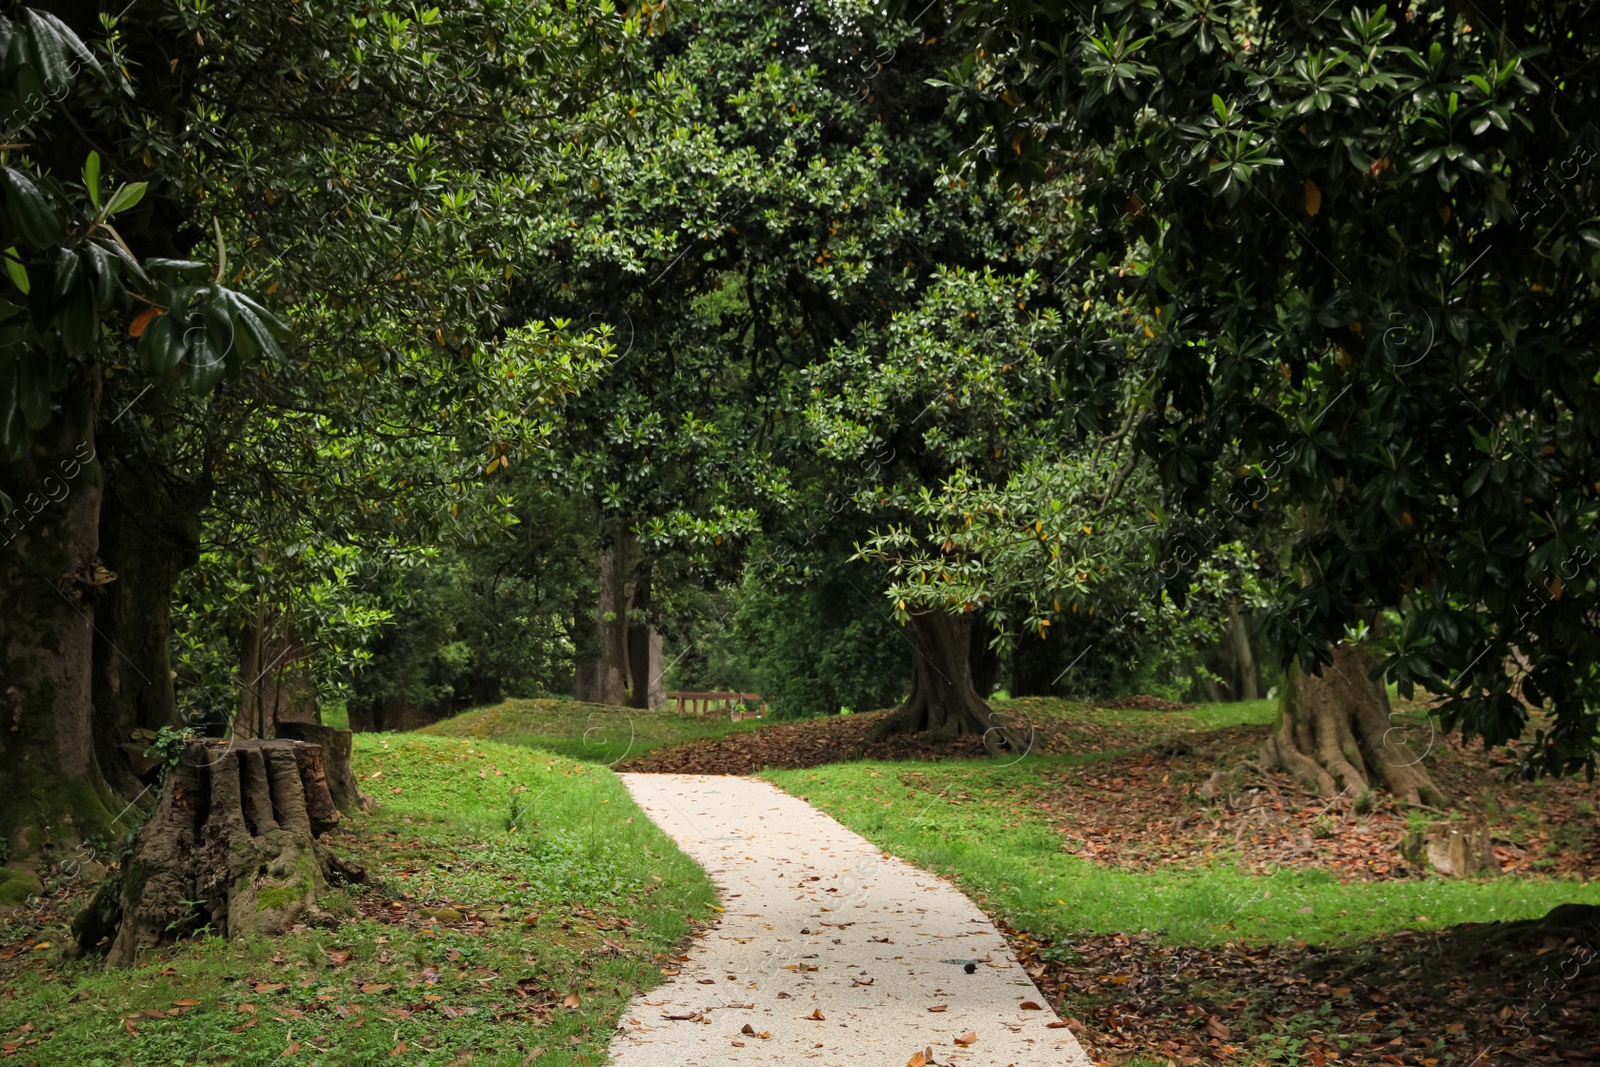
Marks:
<point>1336,735</point>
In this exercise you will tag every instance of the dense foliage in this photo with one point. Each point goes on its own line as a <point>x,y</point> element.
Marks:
<point>1367,235</point>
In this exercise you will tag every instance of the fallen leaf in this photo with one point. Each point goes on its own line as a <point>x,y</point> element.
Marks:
<point>570,1001</point>
<point>748,1029</point>
<point>967,1039</point>
<point>397,1050</point>
<point>1028,1005</point>
<point>938,1007</point>
<point>917,1060</point>
<point>816,1014</point>
<point>294,1046</point>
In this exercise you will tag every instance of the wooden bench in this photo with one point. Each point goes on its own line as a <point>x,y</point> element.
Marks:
<point>709,703</point>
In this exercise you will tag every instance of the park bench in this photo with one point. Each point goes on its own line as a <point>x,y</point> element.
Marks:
<point>709,703</point>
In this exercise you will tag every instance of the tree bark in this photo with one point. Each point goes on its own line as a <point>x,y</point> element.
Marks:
<point>646,689</point>
<point>233,847</point>
<point>984,661</point>
<point>606,680</point>
<point>943,703</point>
<point>1244,656</point>
<point>149,534</point>
<point>336,747</point>
<point>1335,734</point>
<point>50,579</point>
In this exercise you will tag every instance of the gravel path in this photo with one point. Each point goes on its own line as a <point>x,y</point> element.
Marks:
<point>831,953</point>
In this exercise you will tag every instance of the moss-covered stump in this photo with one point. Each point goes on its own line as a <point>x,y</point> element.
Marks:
<point>232,846</point>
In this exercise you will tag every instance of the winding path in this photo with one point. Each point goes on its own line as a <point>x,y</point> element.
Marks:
<point>832,953</point>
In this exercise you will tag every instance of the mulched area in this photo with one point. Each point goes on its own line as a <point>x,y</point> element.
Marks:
<point>1142,702</point>
<point>1157,817</point>
<point>1484,993</point>
<point>838,738</point>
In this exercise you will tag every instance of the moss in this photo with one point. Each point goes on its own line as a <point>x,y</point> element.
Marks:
<point>17,883</point>
<point>134,876</point>
<point>273,897</point>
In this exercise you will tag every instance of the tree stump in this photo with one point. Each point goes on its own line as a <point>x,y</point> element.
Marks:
<point>336,746</point>
<point>232,846</point>
<point>1455,849</point>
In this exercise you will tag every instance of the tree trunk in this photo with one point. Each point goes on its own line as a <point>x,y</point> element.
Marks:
<point>233,847</point>
<point>984,661</point>
<point>943,703</point>
<point>1244,657</point>
<point>148,535</point>
<point>273,685</point>
<point>50,579</point>
<point>606,680</point>
<point>646,690</point>
<point>1335,734</point>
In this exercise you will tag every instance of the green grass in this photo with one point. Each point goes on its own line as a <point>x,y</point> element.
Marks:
<point>1013,860</point>
<point>551,852</point>
<point>593,733</point>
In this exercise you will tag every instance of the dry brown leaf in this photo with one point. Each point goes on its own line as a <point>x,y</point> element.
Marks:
<point>1028,1005</point>
<point>816,1014</point>
<point>938,1007</point>
<point>748,1029</point>
<point>570,1000</point>
<point>967,1039</point>
<point>917,1060</point>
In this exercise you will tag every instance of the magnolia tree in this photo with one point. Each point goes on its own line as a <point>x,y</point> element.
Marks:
<point>1366,239</point>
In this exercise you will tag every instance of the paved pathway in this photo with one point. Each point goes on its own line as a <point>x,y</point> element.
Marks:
<point>830,952</point>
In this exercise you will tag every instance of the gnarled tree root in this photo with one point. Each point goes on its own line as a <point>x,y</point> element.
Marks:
<point>1336,734</point>
<point>233,847</point>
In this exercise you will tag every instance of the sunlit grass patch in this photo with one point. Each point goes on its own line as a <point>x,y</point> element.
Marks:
<point>593,733</point>
<point>503,880</point>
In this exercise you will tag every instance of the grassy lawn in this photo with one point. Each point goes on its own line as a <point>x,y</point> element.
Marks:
<point>517,900</point>
<point>593,733</point>
<point>959,818</point>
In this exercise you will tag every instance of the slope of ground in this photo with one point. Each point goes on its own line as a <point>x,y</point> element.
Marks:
<point>594,733</point>
<point>517,901</point>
